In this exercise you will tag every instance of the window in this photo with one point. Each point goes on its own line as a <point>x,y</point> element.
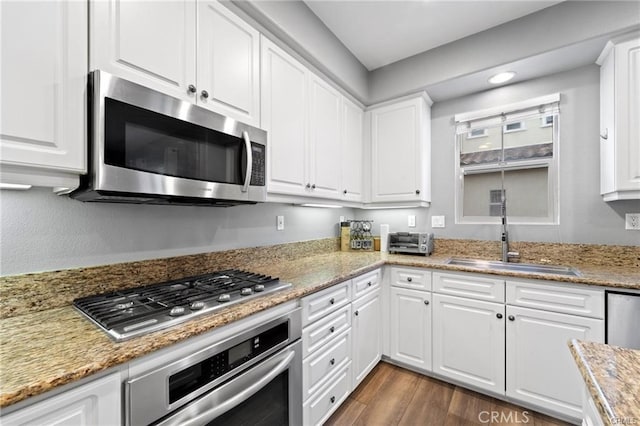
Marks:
<point>517,157</point>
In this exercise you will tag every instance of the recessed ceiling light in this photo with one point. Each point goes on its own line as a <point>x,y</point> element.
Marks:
<point>502,77</point>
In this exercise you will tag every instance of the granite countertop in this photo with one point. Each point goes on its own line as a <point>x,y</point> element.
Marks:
<point>47,348</point>
<point>612,375</point>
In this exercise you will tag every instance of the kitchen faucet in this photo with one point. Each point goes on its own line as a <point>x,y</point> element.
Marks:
<point>506,254</point>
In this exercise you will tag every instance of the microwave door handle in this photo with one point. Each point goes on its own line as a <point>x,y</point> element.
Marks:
<point>247,147</point>
<point>240,397</point>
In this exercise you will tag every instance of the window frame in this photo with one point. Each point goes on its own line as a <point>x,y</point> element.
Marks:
<point>553,184</point>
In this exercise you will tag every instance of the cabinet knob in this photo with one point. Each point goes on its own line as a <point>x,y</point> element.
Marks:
<point>313,186</point>
<point>191,88</point>
<point>344,192</point>
<point>332,329</point>
<point>499,316</point>
<point>308,185</point>
<point>417,192</point>
<point>605,135</point>
<point>332,301</point>
<point>426,302</point>
<point>369,283</point>
<point>332,399</point>
<point>409,279</point>
<point>356,313</point>
<point>332,361</point>
<point>204,94</point>
<point>512,318</point>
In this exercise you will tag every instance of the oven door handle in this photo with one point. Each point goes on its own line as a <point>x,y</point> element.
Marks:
<point>247,146</point>
<point>240,397</point>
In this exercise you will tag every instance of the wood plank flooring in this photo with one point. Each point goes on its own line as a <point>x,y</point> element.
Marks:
<point>391,396</point>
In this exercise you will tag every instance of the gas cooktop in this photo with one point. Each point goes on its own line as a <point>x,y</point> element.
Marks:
<point>136,311</point>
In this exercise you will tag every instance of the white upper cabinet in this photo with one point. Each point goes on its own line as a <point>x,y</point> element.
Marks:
<point>43,101</point>
<point>195,51</point>
<point>228,63</point>
<point>400,151</point>
<point>324,139</point>
<point>351,153</point>
<point>284,116</point>
<point>619,124</point>
<point>149,43</point>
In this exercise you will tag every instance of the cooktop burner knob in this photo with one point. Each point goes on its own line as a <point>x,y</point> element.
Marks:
<point>194,306</point>
<point>258,288</point>
<point>246,291</point>
<point>176,311</point>
<point>224,298</point>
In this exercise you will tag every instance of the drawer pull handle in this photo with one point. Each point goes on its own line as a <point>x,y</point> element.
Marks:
<point>409,279</point>
<point>332,361</point>
<point>512,318</point>
<point>356,312</point>
<point>332,329</point>
<point>499,316</point>
<point>426,302</point>
<point>369,283</point>
<point>333,399</point>
<point>332,301</point>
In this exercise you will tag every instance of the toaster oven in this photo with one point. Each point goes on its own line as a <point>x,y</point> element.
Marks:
<point>411,242</point>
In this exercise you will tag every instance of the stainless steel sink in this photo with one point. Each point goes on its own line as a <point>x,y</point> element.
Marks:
<point>516,267</point>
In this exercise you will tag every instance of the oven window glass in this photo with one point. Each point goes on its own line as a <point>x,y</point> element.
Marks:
<point>267,407</point>
<point>144,140</point>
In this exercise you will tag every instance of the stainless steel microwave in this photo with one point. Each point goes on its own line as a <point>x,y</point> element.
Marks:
<point>151,148</point>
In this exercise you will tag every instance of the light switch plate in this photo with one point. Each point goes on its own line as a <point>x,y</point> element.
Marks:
<point>412,221</point>
<point>437,221</point>
<point>280,223</point>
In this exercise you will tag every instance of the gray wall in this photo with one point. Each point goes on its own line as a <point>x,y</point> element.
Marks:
<point>549,29</point>
<point>584,217</point>
<point>41,231</point>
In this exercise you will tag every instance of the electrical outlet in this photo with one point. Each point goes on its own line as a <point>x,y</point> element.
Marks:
<point>412,221</point>
<point>437,221</point>
<point>280,223</point>
<point>632,221</point>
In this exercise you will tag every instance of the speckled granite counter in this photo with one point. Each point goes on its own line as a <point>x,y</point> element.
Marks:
<point>612,376</point>
<point>42,348</point>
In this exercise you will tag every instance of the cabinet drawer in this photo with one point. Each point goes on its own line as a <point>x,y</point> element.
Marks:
<point>561,298</point>
<point>366,284</point>
<point>318,368</point>
<point>319,408</point>
<point>469,285</point>
<point>415,278</point>
<point>324,302</point>
<point>319,333</point>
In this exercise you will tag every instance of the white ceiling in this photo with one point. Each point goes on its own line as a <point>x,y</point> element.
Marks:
<point>384,31</point>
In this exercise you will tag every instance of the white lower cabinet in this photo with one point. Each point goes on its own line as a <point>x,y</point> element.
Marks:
<point>410,327</point>
<point>367,342</point>
<point>469,341</point>
<point>327,400</point>
<point>97,403</point>
<point>540,369</point>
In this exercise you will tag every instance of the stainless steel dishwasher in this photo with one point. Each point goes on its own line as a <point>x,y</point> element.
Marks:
<point>623,319</point>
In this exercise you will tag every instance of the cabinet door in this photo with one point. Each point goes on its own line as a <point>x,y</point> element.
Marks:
<point>468,341</point>
<point>150,43</point>
<point>324,139</point>
<point>367,330</point>
<point>540,368</point>
<point>351,153</point>
<point>95,403</point>
<point>284,117</point>
<point>228,63</point>
<point>398,154</point>
<point>44,70</point>
<point>410,327</point>
<point>607,126</point>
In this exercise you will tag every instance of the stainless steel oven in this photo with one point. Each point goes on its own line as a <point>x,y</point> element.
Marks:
<point>253,378</point>
<point>148,147</point>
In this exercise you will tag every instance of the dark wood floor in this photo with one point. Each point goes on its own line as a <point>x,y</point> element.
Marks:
<point>392,396</point>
